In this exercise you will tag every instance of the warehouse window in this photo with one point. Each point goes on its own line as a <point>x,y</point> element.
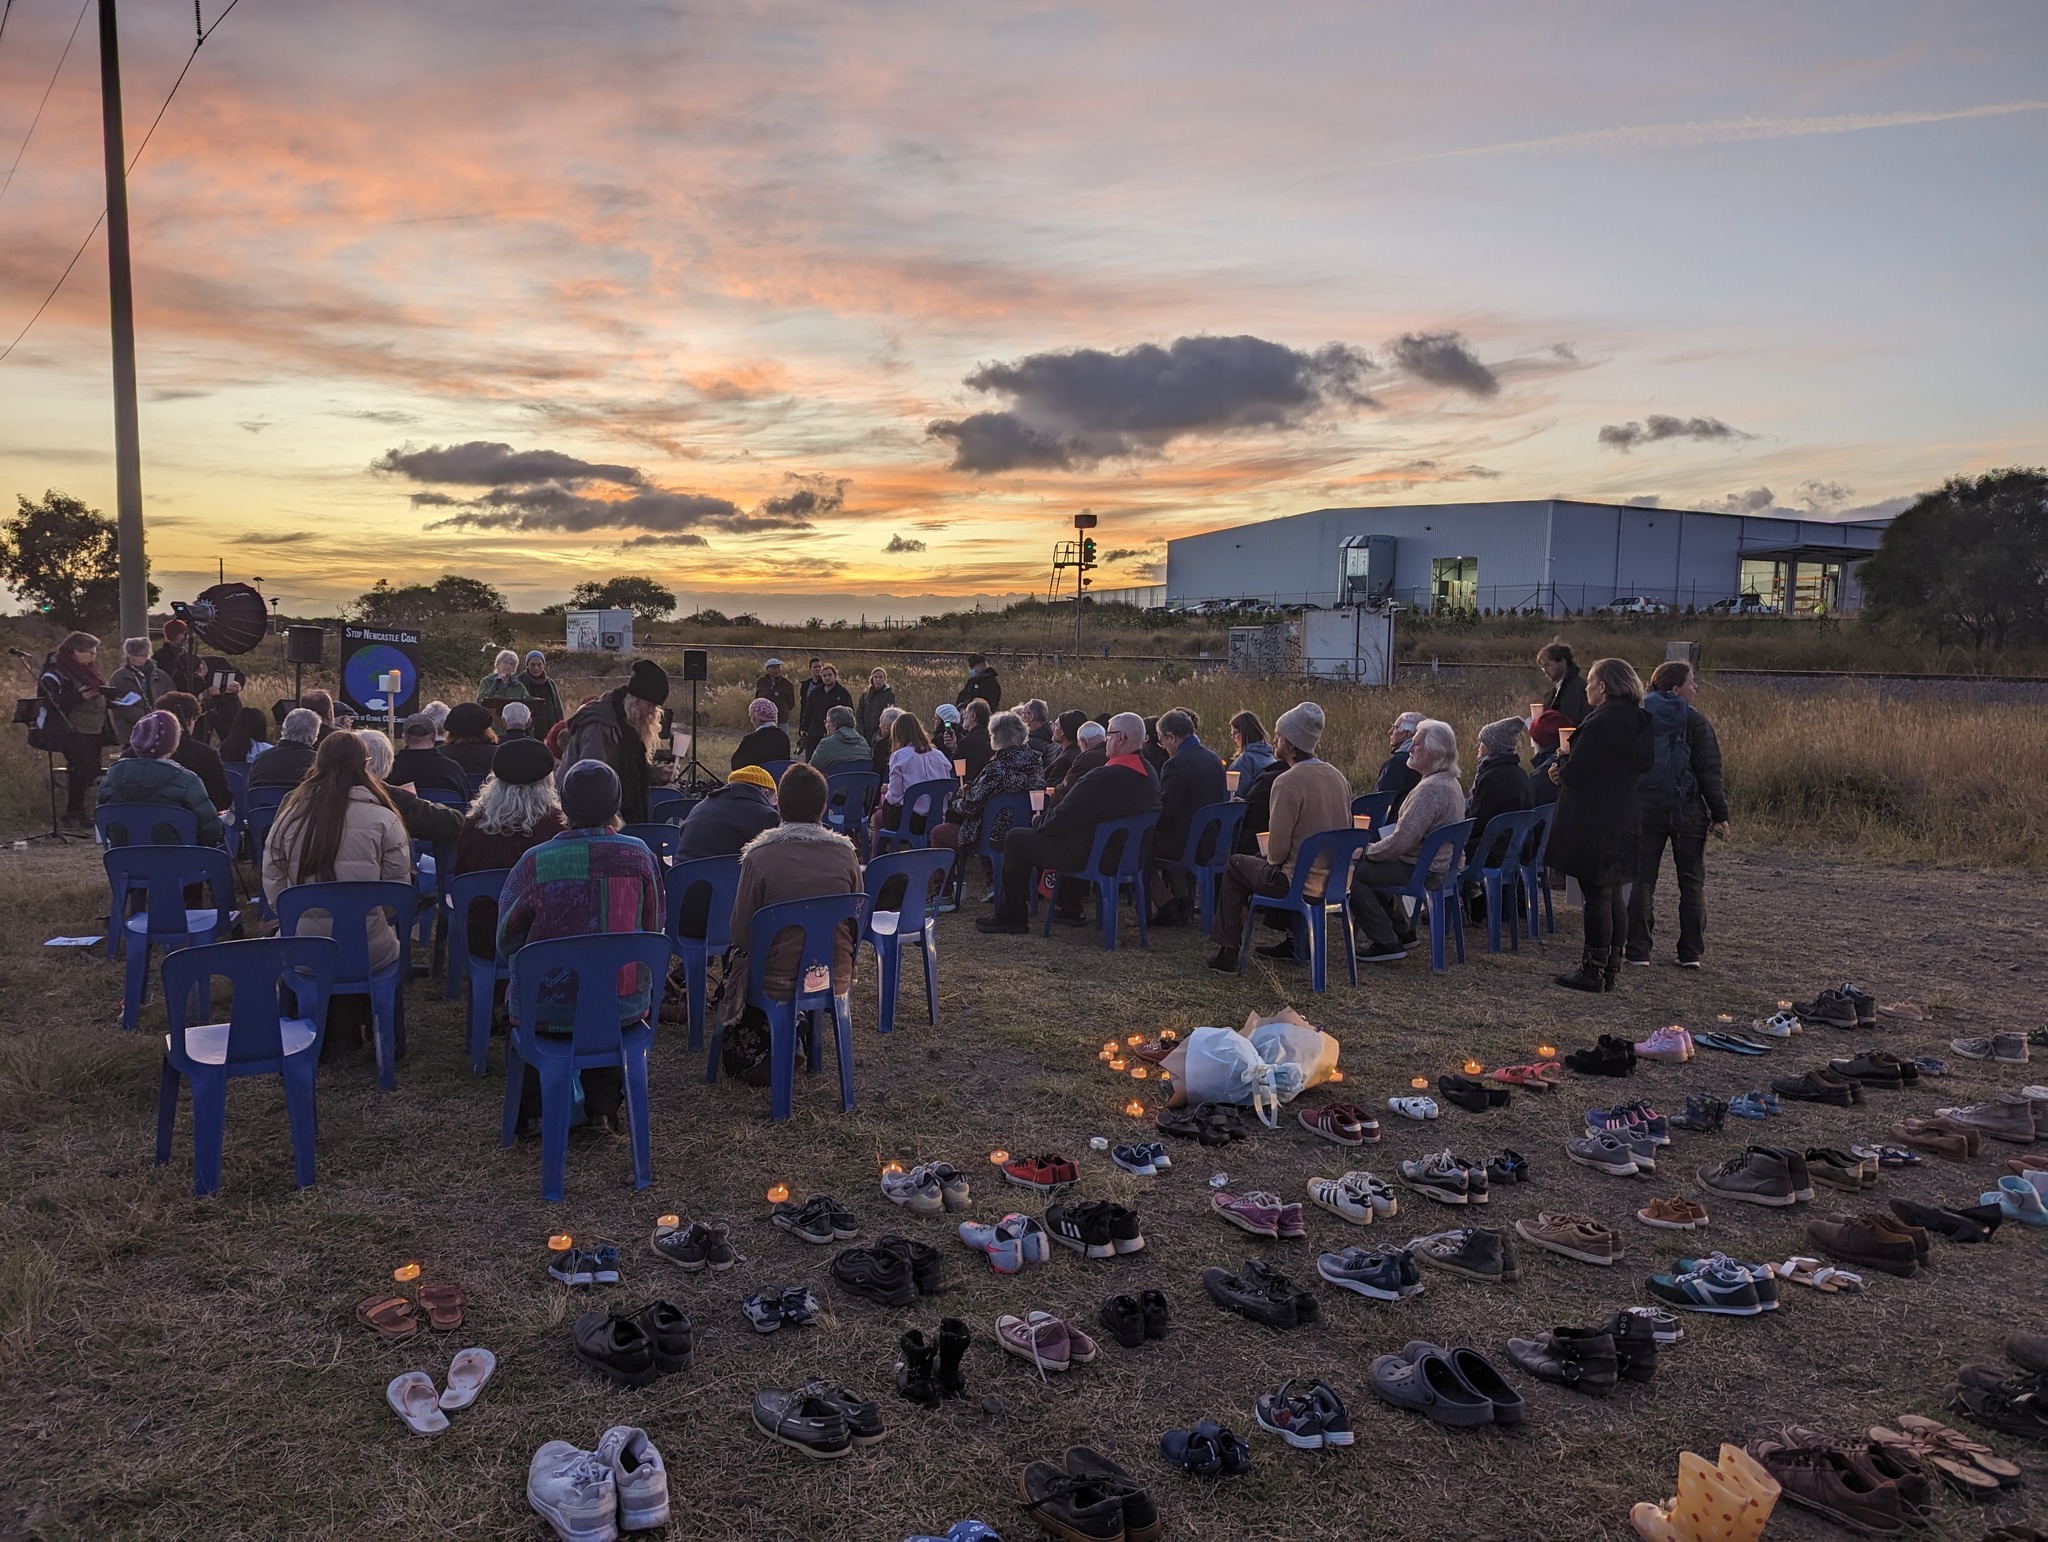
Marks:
<point>1454,583</point>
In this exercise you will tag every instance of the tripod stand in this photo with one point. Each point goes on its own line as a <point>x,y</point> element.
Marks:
<point>26,712</point>
<point>693,773</point>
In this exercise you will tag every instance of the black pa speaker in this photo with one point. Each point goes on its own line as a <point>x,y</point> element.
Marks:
<point>304,644</point>
<point>696,664</point>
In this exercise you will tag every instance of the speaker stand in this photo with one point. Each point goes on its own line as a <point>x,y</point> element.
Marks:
<point>693,773</point>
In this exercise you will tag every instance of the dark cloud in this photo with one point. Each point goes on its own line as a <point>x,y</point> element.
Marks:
<point>899,543</point>
<point>1644,501</point>
<point>1125,553</point>
<point>1079,407</point>
<point>480,463</point>
<point>1824,497</point>
<point>1758,500</point>
<point>1442,359</point>
<point>1626,436</point>
<point>680,538</point>
<point>252,426</point>
<point>267,537</point>
<point>390,417</point>
<point>549,507</point>
<point>814,496</point>
<point>176,394</point>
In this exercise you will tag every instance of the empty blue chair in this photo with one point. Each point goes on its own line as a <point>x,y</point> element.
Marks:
<point>1437,894</point>
<point>1336,852</point>
<point>849,795</point>
<point>1376,804</point>
<point>818,920</point>
<point>916,924</point>
<point>668,805</point>
<point>719,878</point>
<point>255,1041</point>
<point>597,1039</point>
<point>158,875</point>
<point>1535,876</point>
<point>1207,853</point>
<point>145,824</point>
<point>1115,861</point>
<point>775,768</point>
<point>259,812</point>
<point>1499,875</point>
<point>921,801</point>
<point>1018,806</point>
<point>348,906</point>
<point>480,971</point>
<point>663,839</point>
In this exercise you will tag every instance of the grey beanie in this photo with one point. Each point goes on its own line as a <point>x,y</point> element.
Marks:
<point>1502,738</point>
<point>1302,726</point>
<point>590,794</point>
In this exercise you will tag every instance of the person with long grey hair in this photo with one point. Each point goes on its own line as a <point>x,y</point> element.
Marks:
<point>517,808</point>
<point>423,821</point>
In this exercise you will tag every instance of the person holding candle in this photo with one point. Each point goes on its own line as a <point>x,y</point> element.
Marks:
<point>1254,754</point>
<point>946,733</point>
<point>1436,800</point>
<point>1545,738</point>
<point>1683,801</point>
<point>1596,832</point>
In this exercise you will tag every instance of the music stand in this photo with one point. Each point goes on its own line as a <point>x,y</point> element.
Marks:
<point>24,717</point>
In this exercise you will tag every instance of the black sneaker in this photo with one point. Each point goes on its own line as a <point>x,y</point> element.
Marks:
<point>809,1220</point>
<point>877,1275</point>
<point>1003,928</point>
<point>799,1306</point>
<point>1124,1235</point>
<point>616,1347</point>
<point>1158,1315</point>
<point>863,1416</point>
<point>1263,1276</point>
<point>1125,1320</point>
<point>1464,1092</point>
<point>1610,1057</point>
<point>927,1272</point>
<point>1376,954</point>
<point>668,1334</point>
<point>801,1418</point>
<point>764,1310</point>
<point>1235,1294</point>
<point>1082,1226</point>
<point>1141,1515</point>
<point>683,1246</point>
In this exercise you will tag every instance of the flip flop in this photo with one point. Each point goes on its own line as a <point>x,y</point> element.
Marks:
<point>412,1397</point>
<point>1960,1471</point>
<point>1824,1278</point>
<point>467,1373</point>
<point>443,1306</point>
<point>1961,1445</point>
<point>389,1317</point>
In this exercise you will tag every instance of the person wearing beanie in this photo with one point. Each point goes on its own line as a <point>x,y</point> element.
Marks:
<point>515,810</point>
<point>1396,775</point>
<point>1066,745</point>
<point>471,741</point>
<point>586,881</point>
<point>766,742</point>
<point>542,698</point>
<point>948,734</point>
<point>720,826</point>
<point>1499,786</point>
<point>621,728</point>
<point>1308,797</point>
<point>133,688</point>
<point>1544,740</point>
<point>148,774</point>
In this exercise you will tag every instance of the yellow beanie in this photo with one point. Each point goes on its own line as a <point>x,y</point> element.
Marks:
<point>753,776</point>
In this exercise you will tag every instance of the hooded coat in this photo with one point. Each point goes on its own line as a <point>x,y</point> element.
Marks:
<point>599,731</point>
<point>792,862</point>
<point>1682,791</point>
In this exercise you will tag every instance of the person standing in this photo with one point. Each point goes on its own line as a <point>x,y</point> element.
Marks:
<point>1682,800</point>
<point>776,687</point>
<point>1567,686</point>
<point>1191,782</point>
<point>820,697</point>
<point>1596,832</point>
<point>132,689</point>
<point>502,684</point>
<point>982,685</point>
<point>75,696</point>
<point>620,728</point>
<point>542,698</point>
<point>874,701</point>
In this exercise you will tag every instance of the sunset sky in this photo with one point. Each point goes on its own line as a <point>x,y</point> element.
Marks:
<point>810,306</point>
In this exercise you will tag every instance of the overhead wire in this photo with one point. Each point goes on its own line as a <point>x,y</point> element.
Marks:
<point>201,35</point>
<point>38,118</point>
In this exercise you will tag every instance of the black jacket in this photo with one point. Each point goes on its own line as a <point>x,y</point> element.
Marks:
<point>1397,777</point>
<point>472,757</point>
<point>1682,791</point>
<point>203,761</point>
<point>1598,824</point>
<point>867,712</point>
<point>984,685</point>
<point>1192,780</point>
<point>726,820</point>
<point>421,768</point>
<point>1108,792</point>
<point>1542,790</point>
<point>1568,696</point>
<point>286,764</point>
<point>764,744</point>
<point>977,749</point>
<point>1500,787</point>
<point>1258,808</point>
<point>818,700</point>
<point>543,700</point>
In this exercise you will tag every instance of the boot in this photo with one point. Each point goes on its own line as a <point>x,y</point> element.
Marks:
<point>1611,969</point>
<point>914,1370</point>
<point>1729,1503</point>
<point>1579,1358</point>
<point>1592,975</point>
<point>952,1349</point>
<point>1635,1346</point>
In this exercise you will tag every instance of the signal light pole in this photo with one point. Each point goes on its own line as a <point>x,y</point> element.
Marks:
<point>1084,560</point>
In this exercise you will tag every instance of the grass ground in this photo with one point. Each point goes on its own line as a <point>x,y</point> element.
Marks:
<point>179,1368</point>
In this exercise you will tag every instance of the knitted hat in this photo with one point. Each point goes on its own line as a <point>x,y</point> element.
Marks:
<point>590,794</point>
<point>175,630</point>
<point>535,653</point>
<point>154,735</point>
<point>649,682</point>
<point>753,776</point>
<point>1543,728</point>
<point>1302,726</point>
<point>522,762</point>
<point>948,713</point>
<point>1501,738</point>
<point>761,711</point>
<point>468,719</point>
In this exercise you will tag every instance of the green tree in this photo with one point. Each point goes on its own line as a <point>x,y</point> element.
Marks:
<point>418,604</point>
<point>65,559</point>
<point>456,595</point>
<point>1968,563</point>
<point>645,598</point>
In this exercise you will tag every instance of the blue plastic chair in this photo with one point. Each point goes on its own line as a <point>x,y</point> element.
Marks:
<point>1535,876</point>
<point>925,800</point>
<point>1437,894</point>
<point>1018,806</point>
<point>255,1041</point>
<point>775,768</point>
<point>259,812</point>
<point>668,805</point>
<point>663,839</point>
<point>917,924</point>
<point>237,774</point>
<point>348,905</point>
<point>476,782</point>
<point>1129,871</point>
<point>818,920</point>
<point>720,878</point>
<point>1376,804</point>
<point>158,875</point>
<point>431,862</point>
<point>1499,874</point>
<point>145,824</point>
<point>1207,853</point>
<point>481,972</point>
<point>849,795</point>
<point>597,1039</point>
<point>444,796</point>
<point>1337,853</point>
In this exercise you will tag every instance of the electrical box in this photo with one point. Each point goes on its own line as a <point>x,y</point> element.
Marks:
<point>600,631</point>
<point>1368,577</point>
<point>1352,644</point>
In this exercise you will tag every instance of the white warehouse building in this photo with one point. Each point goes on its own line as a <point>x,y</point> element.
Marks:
<point>1547,554</point>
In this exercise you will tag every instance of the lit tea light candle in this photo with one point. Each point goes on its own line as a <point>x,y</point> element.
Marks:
<point>1473,1068</point>
<point>1139,1073</point>
<point>670,1221</point>
<point>1336,1076</point>
<point>1118,1063</point>
<point>1168,1036</point>
<point>1135,1109</point>
<point>561,1242</point>
<point>891,1167</point>
<point>1419,1082</point>
<point>405,1274</point>
<point>1784,1006</point>
<point>1105,1054</point>
<point>1547,1051</point>
<point>1108,1048</point>
<point>1135,1040</point>
<point>777,1193</point>
<point>1724,1017</point>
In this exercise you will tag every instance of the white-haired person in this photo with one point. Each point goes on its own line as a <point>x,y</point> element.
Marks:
<point>423,820</point>
<point>517,808</point>
<point>516,720</point>
<point>1596,833</point>
<point>1014,767</point>
<point>286,762</point>
<point>1397,775</point>
<point>765,740</point>
<point>1121,788</point>
<point>1091,753</point>
<point>502,684</point>
<point>1037,718</point>
<point>1437,799</point>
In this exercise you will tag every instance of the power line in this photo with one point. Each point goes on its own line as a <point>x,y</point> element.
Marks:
<point>3,18</point>
<point>23,146</point>
<point>201,36</point>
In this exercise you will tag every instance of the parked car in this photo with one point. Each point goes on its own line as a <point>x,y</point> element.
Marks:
<point>1740,605</point>
<point>1637,605</point>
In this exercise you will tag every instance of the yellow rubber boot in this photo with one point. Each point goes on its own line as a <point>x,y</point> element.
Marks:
<point>1728,1503</point>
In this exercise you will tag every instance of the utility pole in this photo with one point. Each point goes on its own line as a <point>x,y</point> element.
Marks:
<point>1083,561</point>
<point>121,306</point>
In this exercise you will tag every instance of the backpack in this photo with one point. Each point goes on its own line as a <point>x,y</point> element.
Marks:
<point>1670,780</point>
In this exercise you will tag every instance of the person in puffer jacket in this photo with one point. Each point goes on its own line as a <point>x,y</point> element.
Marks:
<point>147,774</point>
<point>1682,801</point>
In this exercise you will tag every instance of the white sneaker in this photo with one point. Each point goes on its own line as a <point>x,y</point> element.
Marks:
<point>638,1476</point>
<point>917,1191</point>
<point>573,1492</point>
<point>1336,1197</point>
<point>1414,1108</point>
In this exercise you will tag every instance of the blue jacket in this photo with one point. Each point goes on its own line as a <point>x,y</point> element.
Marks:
<point>725,821</point>
<point>138,779</point>
<point>1250,762</point>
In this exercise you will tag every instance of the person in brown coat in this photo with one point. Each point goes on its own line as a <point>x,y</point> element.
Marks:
<point>799,859</point>
<point>777,687</point>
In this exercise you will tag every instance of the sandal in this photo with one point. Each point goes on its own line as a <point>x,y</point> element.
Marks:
<point>389,1317</point>
<point>1824,1278</point>
<point>1524,1076</point>
<point>1959,1471</point>
<point>467,1373</point>
<point>412,1397</point>
<point>1962,1446</point>
<point>443,1306</point>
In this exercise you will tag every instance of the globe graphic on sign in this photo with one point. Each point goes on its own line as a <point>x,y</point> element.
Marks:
<point>359,676</point>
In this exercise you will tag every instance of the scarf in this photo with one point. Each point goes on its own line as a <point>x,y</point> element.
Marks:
<point>1130,763</point>
<point>85,676</point>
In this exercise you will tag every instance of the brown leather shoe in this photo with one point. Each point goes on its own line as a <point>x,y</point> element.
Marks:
<point>1969,1132</point>
<point>1856,1239</point>
<point>1928,1135</point>
<point>1824,1480</point>
<point>1894,1226</point>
